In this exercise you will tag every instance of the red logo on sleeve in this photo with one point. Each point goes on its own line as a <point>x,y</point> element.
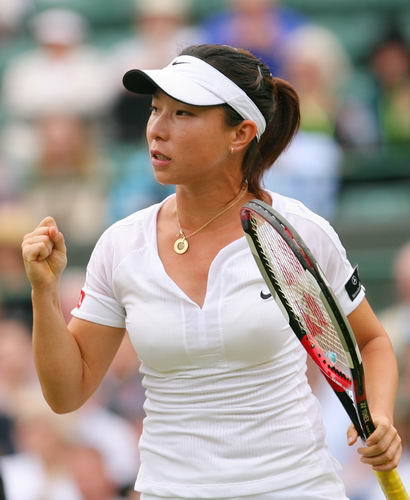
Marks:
<point>81,298</point>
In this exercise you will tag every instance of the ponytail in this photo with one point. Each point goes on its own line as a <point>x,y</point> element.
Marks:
<point>282,126</point>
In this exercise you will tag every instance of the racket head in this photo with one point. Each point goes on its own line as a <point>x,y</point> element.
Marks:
<point>287,270</point>
<point>302,291</point>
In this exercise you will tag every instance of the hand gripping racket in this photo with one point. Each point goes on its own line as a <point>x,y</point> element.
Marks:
<point>302,292</point>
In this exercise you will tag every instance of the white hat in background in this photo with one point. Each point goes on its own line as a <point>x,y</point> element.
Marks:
<point>173,8</point>
<point>60,26</point>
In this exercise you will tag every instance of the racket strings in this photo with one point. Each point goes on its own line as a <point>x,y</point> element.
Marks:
<point>302,295</point>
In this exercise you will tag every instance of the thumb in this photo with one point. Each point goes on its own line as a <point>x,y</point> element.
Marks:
<point>58,238</point>
<point>352,435</point>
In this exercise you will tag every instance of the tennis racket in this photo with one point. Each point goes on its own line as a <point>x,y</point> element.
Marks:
<point>301,290</point>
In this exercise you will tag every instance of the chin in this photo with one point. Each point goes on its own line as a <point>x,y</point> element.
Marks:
<point>164,179</point>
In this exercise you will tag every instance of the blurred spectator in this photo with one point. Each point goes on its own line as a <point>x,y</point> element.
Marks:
<point>11,13</point>
<point>396,318</point>
<point>390,67</point>
<point>89,473</point>
<point>379,113</point>
<point>16,374</point>
<point>316,64</point>
<point>261,26</point>
<point>309,171</point>
<point>15,298</point>
<point>39,469</point>
<point>69,179</point>
<point>10,179</point>
<point>121,390</point>
<point>161,29</point>
<point>114,437</point>
<point>16,364</point>
<point>60,74</point>
<point>45,445</point>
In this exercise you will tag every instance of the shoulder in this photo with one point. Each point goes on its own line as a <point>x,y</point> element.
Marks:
<point>128,234</point>
<point>324,243</point>
<point>137,219</point>
<point>317,233</point>
<point>306,222</point>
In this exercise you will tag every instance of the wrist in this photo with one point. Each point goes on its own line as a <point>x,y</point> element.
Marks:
<point>382,416</point>
<point>45,293</point>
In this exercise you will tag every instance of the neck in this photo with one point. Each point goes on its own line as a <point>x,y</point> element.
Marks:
<point>194,206</point>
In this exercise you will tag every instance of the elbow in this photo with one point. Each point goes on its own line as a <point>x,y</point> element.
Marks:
<point>61,407</point>
<point>61,410</point>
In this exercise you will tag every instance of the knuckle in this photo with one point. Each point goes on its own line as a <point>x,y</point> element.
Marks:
<point>377,449</point>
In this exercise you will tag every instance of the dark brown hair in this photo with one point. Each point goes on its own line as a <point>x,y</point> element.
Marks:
<point>276,99</point>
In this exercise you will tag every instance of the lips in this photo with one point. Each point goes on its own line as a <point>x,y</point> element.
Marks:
<point>157,155</point>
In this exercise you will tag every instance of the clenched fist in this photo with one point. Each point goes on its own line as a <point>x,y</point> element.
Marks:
<point>44,254</point>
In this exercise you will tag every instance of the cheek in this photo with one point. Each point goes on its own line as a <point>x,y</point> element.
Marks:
<point>208,143</point>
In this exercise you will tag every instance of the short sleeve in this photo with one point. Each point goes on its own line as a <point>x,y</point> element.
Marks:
<point>98,302</point>
<point>341,275</point>
<point>325,245</point>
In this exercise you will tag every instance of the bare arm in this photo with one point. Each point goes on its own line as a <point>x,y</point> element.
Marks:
<point>70,360</point>
<point>383,448</point>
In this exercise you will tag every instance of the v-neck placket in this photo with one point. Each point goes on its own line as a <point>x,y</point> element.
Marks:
<point>202,326</point>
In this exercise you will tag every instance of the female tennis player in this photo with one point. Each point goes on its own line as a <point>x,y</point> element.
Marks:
<point>229,412</point>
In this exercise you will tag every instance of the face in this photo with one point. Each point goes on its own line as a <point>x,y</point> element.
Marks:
<point>188,144</point>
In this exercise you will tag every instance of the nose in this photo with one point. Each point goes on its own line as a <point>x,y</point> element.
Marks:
<point>158,127</point>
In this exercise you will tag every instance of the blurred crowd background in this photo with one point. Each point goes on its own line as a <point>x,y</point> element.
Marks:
<point>72,146</point>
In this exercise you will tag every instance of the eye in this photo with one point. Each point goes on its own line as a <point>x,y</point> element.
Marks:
<point>153,109</point>
<point>183,112</point>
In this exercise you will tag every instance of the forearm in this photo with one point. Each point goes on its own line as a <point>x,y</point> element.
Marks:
<point>57,355</point>
<point>381,376</point>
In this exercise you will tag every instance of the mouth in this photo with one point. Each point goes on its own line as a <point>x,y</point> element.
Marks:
<point>157,155</point>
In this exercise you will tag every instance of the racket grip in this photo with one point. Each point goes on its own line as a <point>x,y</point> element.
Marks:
<point>391,484</point>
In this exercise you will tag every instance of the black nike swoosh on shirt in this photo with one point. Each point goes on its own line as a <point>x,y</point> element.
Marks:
<point>265,296</point>
<point>179,62</point>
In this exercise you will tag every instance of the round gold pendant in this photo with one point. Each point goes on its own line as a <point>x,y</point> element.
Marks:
<point>181,246</point>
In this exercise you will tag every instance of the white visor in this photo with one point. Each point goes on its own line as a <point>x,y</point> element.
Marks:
<point>193,81</point>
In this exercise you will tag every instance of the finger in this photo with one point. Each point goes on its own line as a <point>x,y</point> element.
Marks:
<point>39,238</point>
<point>39,241</point>
<point>382,426</point>
<point>35,252</point>
<point>380,446</point>
<point>37,231</point>
<point>390,465</point>
<point>47,222</point>
<point>352,435</point>
<point>390,458</point>
<point>380,431</point>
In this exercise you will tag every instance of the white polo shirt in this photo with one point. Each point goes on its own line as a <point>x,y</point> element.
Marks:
<point>228,408</point>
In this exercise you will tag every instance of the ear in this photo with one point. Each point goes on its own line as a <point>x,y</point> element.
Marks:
<point>243,134</point>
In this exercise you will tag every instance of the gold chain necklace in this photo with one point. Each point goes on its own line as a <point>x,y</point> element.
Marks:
<point>181,243</point>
